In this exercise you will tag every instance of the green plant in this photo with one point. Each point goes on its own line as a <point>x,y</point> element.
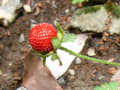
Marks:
<point>108,86</point>
<point>77,1</point>
<point>56,44</point>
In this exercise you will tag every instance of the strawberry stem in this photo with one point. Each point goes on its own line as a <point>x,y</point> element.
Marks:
<point>44,60</point>
<point>58,58</point>
<point>89,58</point>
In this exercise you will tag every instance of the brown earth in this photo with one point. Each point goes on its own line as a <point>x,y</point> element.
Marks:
<point>12,50</point>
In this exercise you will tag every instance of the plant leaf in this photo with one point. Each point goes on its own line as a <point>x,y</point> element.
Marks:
<point>69,37</point>
<point>56,43</point>
<point>108,86</point>
<point>60,31</point>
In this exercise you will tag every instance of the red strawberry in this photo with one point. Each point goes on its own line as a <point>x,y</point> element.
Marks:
<point>40,37</point>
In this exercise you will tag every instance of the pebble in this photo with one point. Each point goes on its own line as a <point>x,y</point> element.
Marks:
<point>91,52</point>
<point>21,88</point>
<point>101,77</point>
<point>33,23</point>
<point>61,80</point>
<point>71,72</point>
<point>22,38</point>
<point>10,64</point>
<point>67,11</point>
<point>27,8</point>
<point>78,61</point>
<point>72,8</point>
<point>71,78</point>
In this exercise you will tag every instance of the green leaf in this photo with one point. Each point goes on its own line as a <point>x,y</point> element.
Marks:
<point>60,31</point>
<point>56,43</point>
<point>77,1</point>
<point>69,37</point>
<point>108,86</point>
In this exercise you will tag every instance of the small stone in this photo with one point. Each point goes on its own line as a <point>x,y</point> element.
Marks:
<point>21,88</point>
<point>61,80</point>
<point>32,25</point>
<point>71,78</point>
<point>77,61</point>
<point>71,72</point>
<point>91,52</point>
<point>101,77</point>
<point>10,64</point>
<point>22,38</point>
<point>72,8</point>
<point>67,11</point>
<point>27,8</point>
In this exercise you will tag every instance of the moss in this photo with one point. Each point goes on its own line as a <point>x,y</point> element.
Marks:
<point>88,10</point>
<point>113,8</point>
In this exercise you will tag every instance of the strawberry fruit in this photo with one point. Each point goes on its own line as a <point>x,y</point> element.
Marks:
<point>40,37</point>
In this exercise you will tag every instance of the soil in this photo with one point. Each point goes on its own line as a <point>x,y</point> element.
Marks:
<point>12,49</point>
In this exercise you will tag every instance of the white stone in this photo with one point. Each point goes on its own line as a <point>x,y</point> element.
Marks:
<point>22,38</point>
<point>66,10</point>
<point>27,8</point>
<point>58,70</point>
<point>91,52</point>
<point>71,72</point>
<point>21,88</point>
<point>78,61</point>
<point>115,26</point>
<point>8,10</point>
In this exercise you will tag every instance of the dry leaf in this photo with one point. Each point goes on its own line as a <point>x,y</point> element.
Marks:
<point>36,76</point>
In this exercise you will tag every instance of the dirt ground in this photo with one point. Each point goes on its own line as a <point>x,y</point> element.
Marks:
<point>12,49</point>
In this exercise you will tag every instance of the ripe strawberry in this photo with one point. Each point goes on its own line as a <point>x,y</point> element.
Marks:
<point>40,37</point>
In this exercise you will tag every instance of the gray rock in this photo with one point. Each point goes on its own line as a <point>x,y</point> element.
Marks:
<point>8,10</point>
<point>94,18</point>
<point>61,80</point>
<point>90,19</point>
<point>115,26</point>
